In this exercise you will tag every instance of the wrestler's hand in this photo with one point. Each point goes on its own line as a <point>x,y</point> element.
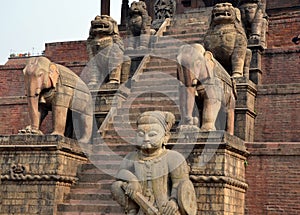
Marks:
<point>131,188</point>
<point>170,208</point>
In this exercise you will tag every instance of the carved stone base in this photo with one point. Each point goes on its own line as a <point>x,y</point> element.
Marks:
<point>37,172</point>
<point>217,162</point>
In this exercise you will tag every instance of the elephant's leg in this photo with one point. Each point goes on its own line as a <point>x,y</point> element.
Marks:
<point>230,115</point>
<point>115,75</point>
<point>87,128</point>
<point>211,108</point>
<point>59,120</point>
<point>187,101</point>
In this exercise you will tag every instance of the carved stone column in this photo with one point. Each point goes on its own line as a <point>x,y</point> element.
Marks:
<point>105,7</point>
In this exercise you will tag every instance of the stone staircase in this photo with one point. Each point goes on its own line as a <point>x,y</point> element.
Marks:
<point>153,87</point>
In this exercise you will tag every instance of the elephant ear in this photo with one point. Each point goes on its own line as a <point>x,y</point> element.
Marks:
<point>210,64</point>
<point>53,74</point>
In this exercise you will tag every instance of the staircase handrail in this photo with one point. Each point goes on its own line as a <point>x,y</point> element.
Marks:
<point>140,68</point>
<point>163,27</point>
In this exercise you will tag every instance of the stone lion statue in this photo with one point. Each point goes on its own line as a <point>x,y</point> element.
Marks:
<point>104,37</point>
<point>139,26</point>
<point>227,40</point>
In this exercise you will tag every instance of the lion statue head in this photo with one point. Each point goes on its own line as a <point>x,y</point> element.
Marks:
<point>138,8</point>
<point>103,25</point>
<point>225,13</point>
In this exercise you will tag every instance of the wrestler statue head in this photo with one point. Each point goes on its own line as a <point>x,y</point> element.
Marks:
<point>153,131</point>
<point>154,180</point>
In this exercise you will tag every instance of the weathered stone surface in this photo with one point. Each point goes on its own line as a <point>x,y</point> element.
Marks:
<point>106,53</point>
<point>53,87</point>
<point>207,85</point>
<point>37,171</point>
<point>154,180</point>
<point>217,162</point>
<point>163,9</point>
<point>227,40</point>
<point>139,26</point>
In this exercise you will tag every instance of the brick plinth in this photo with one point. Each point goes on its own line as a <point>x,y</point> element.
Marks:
<point>217,162</point>
<point>245,109</point>
<point>37,172</point>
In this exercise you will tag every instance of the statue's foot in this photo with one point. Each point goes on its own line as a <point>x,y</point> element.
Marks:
<point>29,130</point>
<point>92,85</point>
<point>57,133</point>
<point>113,81</point>
<point>132,212</point>
<point>237,74</point>
<point>191,121</point>
<point>142,48</point>
<point>208,128</point>
<point>129,48</point>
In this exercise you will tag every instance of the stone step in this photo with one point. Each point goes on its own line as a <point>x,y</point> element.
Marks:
<point>179,42</point>
<point>94,177</point>
<point>83,207</point>
<point>103,185</point>
<point>159,70</point>
<point>95,195</point>
<point>95,166</point>
<point>188,29</point>
<point>87,213</point>
<point>156,62</point>
<point>182,36</point>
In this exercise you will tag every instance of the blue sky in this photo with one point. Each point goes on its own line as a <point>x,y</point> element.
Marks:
<point>26,25</point>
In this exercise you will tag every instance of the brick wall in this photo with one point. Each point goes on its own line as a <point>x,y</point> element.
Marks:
<point>279,4</point>
<point>283,26</point>
<point>273,178</point>
<point>281,66</point>
<point>61,52</point>
<point>278,98</point>
<point>277,109</point>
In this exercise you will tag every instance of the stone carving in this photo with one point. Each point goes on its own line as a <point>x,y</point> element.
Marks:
<point>227,40</point>
<point>203,78</point>
<point>254,20</point>
<point>163,9</point>
<point>154,180</point>
<point>139,26</point>
<point>53,87</point>
<point>18,173</point>
<point>104,37</point>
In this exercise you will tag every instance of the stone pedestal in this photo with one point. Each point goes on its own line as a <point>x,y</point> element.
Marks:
<point>37,172</point>
<point>245,109</point>
<point>217,162</point>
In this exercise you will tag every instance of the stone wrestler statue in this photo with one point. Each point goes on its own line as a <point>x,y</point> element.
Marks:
<point>154,180</point>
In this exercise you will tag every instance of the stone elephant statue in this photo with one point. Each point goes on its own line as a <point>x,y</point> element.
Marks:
<point>206,82</point>
<point>53,87</point>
